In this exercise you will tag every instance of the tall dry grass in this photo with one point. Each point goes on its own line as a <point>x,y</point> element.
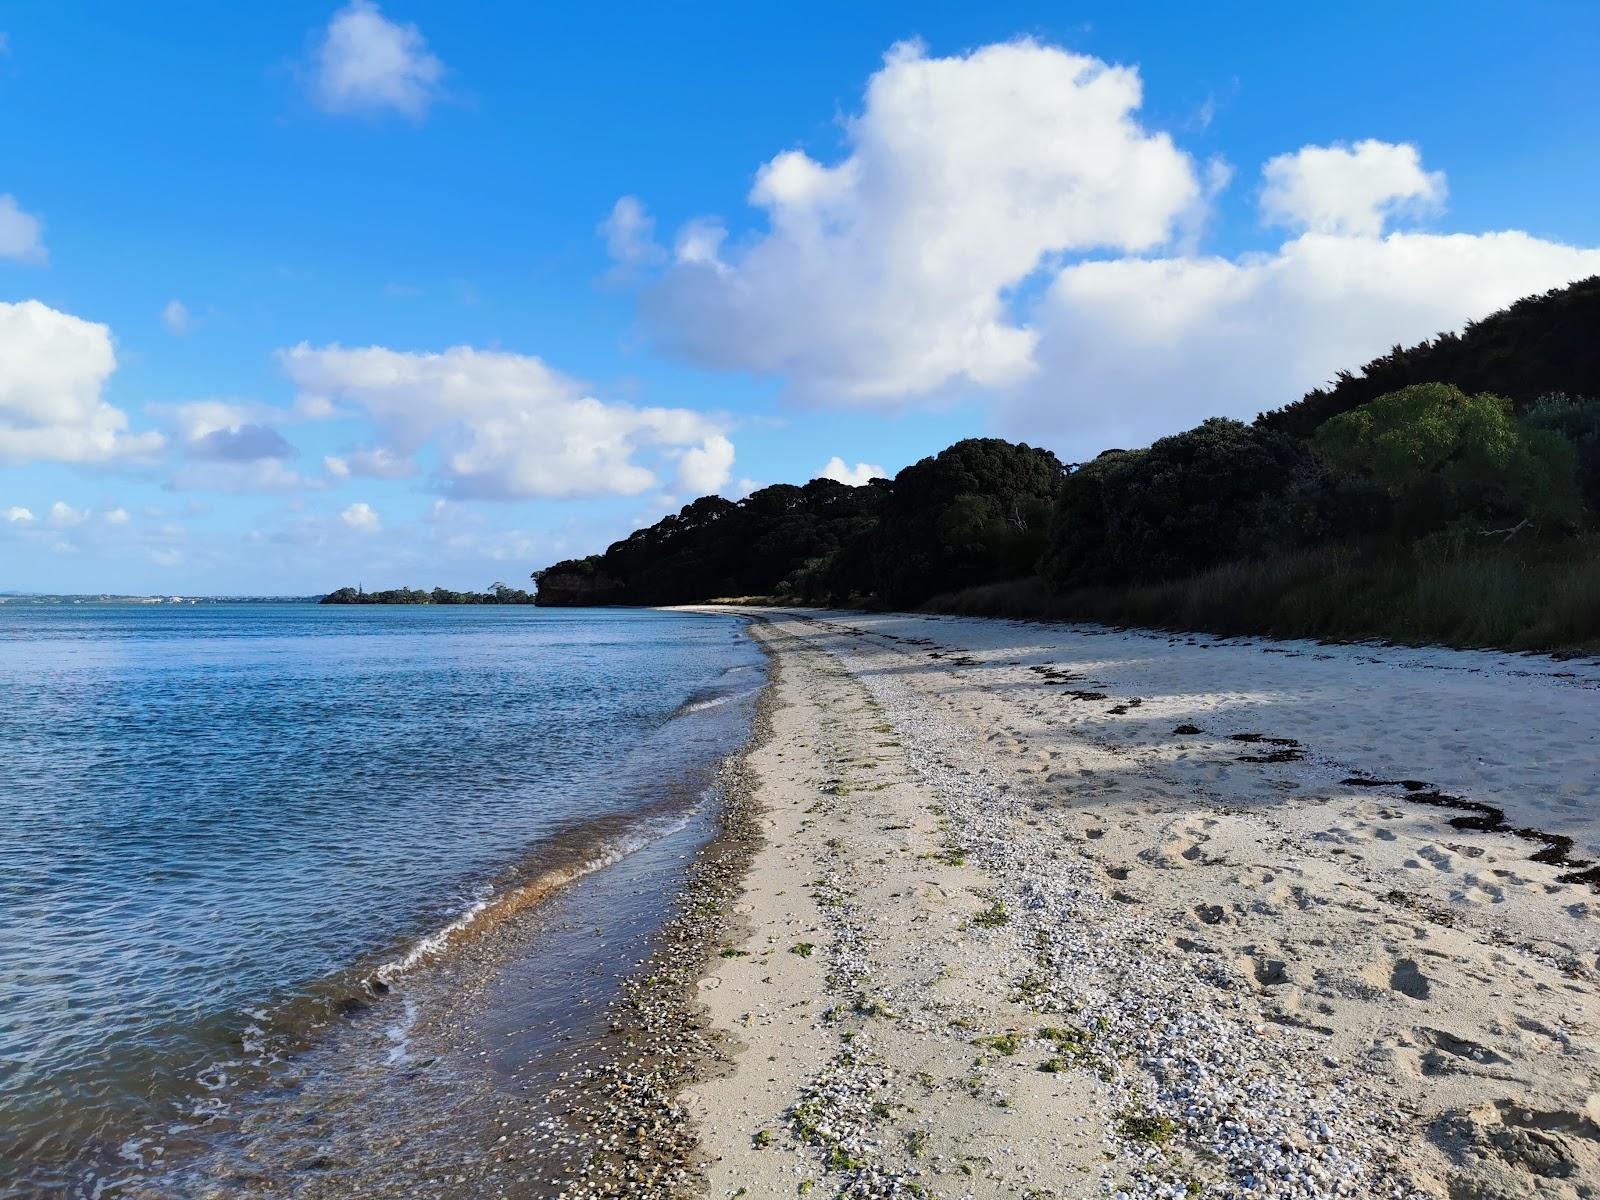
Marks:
<point>1515,598</point>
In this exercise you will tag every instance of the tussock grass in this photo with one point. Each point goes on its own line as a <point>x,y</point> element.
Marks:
<point>1536,598</point>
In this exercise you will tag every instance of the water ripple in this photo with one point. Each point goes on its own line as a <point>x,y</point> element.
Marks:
<point>208,813</point>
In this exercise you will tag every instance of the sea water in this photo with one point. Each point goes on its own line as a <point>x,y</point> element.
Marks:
<point>225,831</point>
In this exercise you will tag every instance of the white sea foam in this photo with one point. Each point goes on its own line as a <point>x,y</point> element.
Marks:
<point>492,906</point>
<point>715,701</point>
<point>399,1033</point>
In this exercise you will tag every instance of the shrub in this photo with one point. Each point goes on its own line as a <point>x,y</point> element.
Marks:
<point>1578,421</point>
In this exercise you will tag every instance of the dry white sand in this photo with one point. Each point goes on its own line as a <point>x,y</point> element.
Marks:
<point>1012,934</point>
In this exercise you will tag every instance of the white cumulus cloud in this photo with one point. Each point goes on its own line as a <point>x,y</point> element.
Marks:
<point>361,516</point>
<point>1336,189</point>
<point>1348,190</point>
<point>1133,349</point>
<point>229,432</point>
<point>884,275</point>
<point>233,446</point>
<point>706,468</point>
<point>836,468</point>
<point>504,426</point>
<point>17,515</point>
<point>366,63</point>
<point>21,234</point>
<point>53,370</point>
<point>1003,223</point>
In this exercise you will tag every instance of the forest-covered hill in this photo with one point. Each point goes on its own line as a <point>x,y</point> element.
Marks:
<point>1471,457</point>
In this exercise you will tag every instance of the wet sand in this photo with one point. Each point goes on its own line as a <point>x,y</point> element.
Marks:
<point>1042,910</point>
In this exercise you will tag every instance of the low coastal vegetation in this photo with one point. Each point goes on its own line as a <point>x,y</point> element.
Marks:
<point>498,593</point>
<point>1447,492</point>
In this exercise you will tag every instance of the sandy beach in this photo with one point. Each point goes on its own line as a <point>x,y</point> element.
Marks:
<point>1057,911</point>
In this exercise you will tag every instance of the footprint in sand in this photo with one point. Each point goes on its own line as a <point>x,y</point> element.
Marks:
<point>1475,889</point>
<point>1432,856</point>
<point>1407,978</point>
<point>1400,975</point>
<point>1183,845</point>
<point>1451,1054</point>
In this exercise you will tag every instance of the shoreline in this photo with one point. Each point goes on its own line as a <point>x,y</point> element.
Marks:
<point>660,1043</point>
<point>1002,935</point>
<point>943,607</point>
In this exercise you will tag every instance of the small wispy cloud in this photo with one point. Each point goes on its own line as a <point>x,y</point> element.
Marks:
<point>366,63</point>
<point>176,317</point>
<point>21,234</point>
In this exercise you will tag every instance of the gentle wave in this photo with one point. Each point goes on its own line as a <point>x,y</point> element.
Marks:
<point>495,909</point>
<point>694,706</point>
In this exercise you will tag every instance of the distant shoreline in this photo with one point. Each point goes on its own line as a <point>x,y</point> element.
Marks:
<point>47,599</point>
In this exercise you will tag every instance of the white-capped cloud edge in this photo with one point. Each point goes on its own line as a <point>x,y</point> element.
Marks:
<point>706,468</point>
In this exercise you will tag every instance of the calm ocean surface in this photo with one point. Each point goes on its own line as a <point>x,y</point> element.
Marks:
<point>224,829</point>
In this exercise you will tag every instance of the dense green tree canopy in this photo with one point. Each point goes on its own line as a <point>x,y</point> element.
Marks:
<point>973,513</point>
<point>1223,490</point>
<point>715,547</point>
<point>1444,455</point>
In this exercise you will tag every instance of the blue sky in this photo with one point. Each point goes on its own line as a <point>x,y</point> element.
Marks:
<point>297,295</point>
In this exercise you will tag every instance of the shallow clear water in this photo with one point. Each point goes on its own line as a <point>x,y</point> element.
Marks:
<point>221,826</point>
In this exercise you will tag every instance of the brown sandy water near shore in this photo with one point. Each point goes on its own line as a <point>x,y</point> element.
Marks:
<point>1065,911</point>
<point>462,1078</point>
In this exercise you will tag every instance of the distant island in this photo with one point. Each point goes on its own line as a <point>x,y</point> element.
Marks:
<point>1447,492</point>
<point>498,593</point>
